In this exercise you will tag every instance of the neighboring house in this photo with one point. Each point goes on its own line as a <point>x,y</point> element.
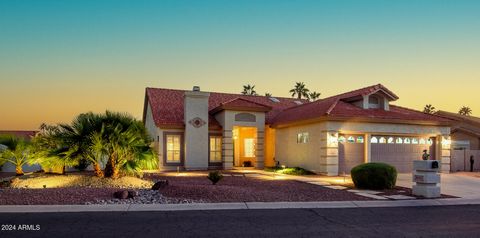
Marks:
<point>27,135</point>
<point>465,133</point>
<point>201,130</point>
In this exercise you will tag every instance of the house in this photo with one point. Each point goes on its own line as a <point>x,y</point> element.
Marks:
<point>196,130</point>
<point>465,134</point>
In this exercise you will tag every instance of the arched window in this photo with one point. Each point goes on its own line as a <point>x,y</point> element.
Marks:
<point>415,141</point>
<point>351,139</point>
<point>399,140</point>
<point>406,141</point>
<point>422,141</point>
<point>341,139</point>
<point>430,141</point>
<point>383,140</point>
<point>374,140</point>
<point>360,139</point>
<point>390,140</point>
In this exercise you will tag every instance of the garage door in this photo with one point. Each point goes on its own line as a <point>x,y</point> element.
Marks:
<point>350,152</point>
<point>401,151</point>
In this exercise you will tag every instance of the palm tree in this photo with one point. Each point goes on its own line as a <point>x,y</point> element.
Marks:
<point>314,95</point>
<point>300,91</point>
<point>17,152</point>
<point>429,109</point>
<point>466,111</point>
<point>268,95</point>
<point>249,90</point>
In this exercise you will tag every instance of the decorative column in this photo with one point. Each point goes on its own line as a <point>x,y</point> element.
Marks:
<point>259,163</point>
<point>227,149</point>
<point>329,152</point>
<point>444,153</point>
<point>367,148</point>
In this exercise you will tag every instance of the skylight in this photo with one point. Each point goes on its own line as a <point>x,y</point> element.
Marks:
<point>273,99</point>
<point>298,102</point>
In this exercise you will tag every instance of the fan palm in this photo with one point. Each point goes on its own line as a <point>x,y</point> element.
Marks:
<point>17,152</point>
<point>429,109</point>
<point>300,90</point>
<point>466,111</point>
<point>314,95</point>
<point>249,90</point>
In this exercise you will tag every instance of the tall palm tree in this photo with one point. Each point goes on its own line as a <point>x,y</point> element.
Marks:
<point>268,95</point>
<point>466,111</point>
<point>429,109</point>
<point>249,90</point>
<point>300,91</point>
<point>314,95</point>
<point>17,152</point>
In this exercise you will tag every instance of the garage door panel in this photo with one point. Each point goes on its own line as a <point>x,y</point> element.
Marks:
<point>399,154</point>
<point>350,154</point>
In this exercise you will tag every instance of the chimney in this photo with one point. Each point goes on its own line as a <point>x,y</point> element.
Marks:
<point>196,129</point>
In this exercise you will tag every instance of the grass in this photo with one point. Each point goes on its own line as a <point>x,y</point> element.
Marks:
<point>289,171</point>
<point>77,180</point>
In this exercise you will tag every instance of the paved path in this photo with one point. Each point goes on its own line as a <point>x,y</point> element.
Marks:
<point>448,221</point>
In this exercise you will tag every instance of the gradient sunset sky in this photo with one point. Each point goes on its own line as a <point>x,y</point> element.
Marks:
<point>60,58</point>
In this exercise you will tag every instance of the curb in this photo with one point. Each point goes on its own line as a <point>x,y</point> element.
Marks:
<point>233,206</point>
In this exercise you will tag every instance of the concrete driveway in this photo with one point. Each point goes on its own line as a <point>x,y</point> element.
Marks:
<point>455,184</point>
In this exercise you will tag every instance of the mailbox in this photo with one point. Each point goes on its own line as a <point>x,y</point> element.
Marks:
<point>434,164</point>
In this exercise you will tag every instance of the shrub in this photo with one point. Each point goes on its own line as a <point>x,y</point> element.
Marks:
<point>289,171</point>
<point>214,176</point>
<point>374,176</point>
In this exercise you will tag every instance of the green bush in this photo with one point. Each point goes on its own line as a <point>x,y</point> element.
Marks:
<point>214,176</point>
<point>289,171</point>
<point>374,176</point>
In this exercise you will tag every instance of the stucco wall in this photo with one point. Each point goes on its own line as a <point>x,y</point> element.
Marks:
<point>269,148</point>
<point>474,141</point>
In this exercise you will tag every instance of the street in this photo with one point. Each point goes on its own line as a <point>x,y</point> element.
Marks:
<point>444,221</point>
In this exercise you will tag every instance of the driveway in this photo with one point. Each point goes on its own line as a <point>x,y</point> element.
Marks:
<point>455,184</point>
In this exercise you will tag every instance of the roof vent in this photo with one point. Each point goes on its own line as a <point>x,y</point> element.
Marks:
<point>196,88</point>
<point>273,99</point>
<point>298,102</point>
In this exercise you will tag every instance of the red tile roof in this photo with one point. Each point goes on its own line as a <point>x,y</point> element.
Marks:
<point>168,105</point>
<point>241,104</point>
<point>167,108</point>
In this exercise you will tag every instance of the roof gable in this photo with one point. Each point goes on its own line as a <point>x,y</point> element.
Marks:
<point>241,104</point>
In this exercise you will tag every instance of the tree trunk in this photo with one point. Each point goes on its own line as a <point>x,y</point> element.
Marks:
<point>97,170</point>
<point>63,170</point>
<point>18,170</point>
<point>111,170</point>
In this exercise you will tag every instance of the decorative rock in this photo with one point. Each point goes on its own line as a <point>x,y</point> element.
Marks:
<point>132,194</point>
<point>160,184</point>
<point>123,194</point>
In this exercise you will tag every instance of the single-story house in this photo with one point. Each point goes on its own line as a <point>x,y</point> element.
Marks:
<point>196,130</point>
<point>465,134</point>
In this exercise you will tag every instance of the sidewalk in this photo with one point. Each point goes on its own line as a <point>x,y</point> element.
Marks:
<point>233,206</point>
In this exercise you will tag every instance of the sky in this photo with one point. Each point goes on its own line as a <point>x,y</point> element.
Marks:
<point>61,58</point>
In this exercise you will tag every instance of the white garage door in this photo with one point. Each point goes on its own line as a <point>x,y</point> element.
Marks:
<point>400,151</point>
<point>350,152</point>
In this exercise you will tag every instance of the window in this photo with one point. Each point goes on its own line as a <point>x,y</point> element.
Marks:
<point>351,139</point>
<point>399,141</point>
<point>422,141</point>
<point>341,139</point>
<point>360,139</point>
<point>383,140</point>
<point>374,140</point>
<point>249,147</point>
<point>173,151</point>
<point>302,138</point>
<point>390,140</point>
<point>430,141</point>
<point>215,149</point>
<point>414,141</point>
<point>406,141</point>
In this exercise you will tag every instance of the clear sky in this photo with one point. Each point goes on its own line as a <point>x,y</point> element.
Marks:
<point>60,58</point>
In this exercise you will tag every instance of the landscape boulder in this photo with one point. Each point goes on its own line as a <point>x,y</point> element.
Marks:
<point>122,194</point>
<point>160,184</point>
<point>132,194</point>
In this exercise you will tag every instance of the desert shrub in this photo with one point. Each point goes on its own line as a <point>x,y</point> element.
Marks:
<point>289,171</point>
<point>374,176</point>
<point>215,176</point>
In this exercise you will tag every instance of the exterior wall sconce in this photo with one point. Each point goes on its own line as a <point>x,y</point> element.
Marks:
<point>332,139</point>
<point>446,142</point>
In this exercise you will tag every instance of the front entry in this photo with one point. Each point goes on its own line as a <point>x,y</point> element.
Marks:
<point>245,146</point>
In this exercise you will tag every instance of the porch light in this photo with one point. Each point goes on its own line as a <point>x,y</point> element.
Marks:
<point>446,142</point>
<point>332,139</point>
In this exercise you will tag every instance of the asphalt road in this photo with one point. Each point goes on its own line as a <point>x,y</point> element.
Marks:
<point>446,221</point>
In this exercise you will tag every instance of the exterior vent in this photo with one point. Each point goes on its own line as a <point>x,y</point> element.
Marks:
<point>196,88</point>
<point>273,99</point>
<point>298,102</point>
